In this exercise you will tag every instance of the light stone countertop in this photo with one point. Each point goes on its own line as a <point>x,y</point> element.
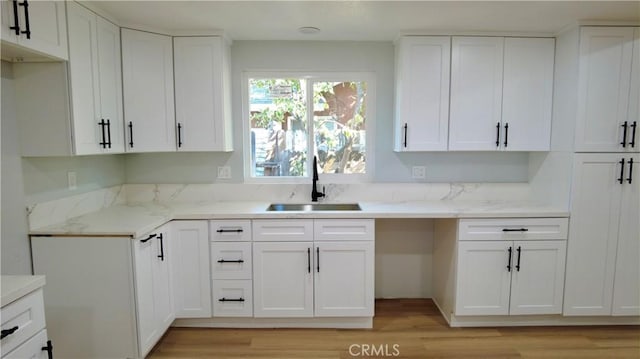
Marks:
<point>14,287</point>
<point>136,220</point>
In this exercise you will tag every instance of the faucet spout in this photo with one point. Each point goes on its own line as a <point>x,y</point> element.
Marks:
<point>315,194</point>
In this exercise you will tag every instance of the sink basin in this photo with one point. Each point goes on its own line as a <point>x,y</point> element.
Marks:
<point>285,207</point>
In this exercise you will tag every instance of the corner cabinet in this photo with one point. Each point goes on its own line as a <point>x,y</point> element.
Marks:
<point>147,78</point>
<point>501,91</point>
<point>422,93</point>
<point>609,87</point>
<point>38,26</point>
<point>604,245</point>
<point>202,90</point>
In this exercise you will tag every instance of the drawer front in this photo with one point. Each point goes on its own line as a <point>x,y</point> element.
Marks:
<point>283,230</point>
<point>513,229</point>
<point>232,298</point>
<point>32,349</point>
<point>231,260</point>
<point>26,313</point>
<point>230,231</point>
<point>344,230</point>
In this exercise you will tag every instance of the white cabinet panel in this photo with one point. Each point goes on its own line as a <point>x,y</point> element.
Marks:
<point>231,260</point>
<point>633,136</point>
<point>230,230</point>
<point>476,93</point>
<point>344,230</point>
<point>513,229</point>
<point>27,314</point>
<point>283,230</point>
<point>33,348</point>
<point>232,298</point>
<point>422,93</point>
<point>537,279</point>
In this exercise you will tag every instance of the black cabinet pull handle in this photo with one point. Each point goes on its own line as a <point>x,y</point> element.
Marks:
<point>25,4</point>
<point>498,135</point>
<point>506,134</point>
<point>318,259</point>
<point>103,143</point>
<point>179,135</point>
<point>7,332</point>
<point>630,170</point>
<point>161,256</point>
<point>624,134</point>
<point>130,134</point>
<point>148,238</point>
<point>405,135</point>
<point>109,133</point>
<point>49,349</point>
<point>633,134</point>
<point>239,230</point>
<point>231,299</point>
<point>509,260</point>
<point>621,179</point>
<point>519,253</point>
<point>231,261</point>
<point>515,229</point>
<point>308,260</point>
<point>16,22</point>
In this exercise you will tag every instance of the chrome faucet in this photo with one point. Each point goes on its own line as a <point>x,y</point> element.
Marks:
<point>314,190</point>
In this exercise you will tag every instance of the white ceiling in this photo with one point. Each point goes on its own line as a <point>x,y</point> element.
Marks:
<point>363,20</point>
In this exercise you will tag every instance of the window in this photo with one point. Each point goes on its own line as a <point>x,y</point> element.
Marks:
<point>292,118</point>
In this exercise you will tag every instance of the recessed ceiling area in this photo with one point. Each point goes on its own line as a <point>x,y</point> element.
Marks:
<point>363,20</point>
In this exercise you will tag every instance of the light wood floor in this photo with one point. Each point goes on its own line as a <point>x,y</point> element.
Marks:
<point>419,330</point>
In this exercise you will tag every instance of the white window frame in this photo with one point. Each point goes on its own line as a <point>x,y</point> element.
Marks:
<point>311,77</point>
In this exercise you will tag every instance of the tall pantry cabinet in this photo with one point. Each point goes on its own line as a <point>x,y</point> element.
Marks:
<point>603,256</point>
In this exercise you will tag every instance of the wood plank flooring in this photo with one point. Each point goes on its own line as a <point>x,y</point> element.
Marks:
<point>418,330</point>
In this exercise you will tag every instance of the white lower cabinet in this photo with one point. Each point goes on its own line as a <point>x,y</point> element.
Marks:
<point>232,298</point>
<point>509,277</point>
<point>23,328</point>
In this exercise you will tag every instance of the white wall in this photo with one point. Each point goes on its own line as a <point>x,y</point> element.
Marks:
<point>376,57</point>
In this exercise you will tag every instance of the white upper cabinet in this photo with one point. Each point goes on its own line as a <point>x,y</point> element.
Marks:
<point>202,86</point>
<point>95,79</point>
<point>501,93</point>
<point>633,138</point>
<point>476,93</point>
<point>527,93</point>
<point>604,105</point>
<point>39,26</point>
<point>422,93</point>
<point>147,73</point>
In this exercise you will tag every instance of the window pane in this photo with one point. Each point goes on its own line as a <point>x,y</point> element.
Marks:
<point>339,126</point>
<point>278,117</point>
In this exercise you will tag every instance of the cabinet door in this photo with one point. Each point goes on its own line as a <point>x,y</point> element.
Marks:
<point>344,285</point>
<point>633,137</point>
<point>147,79</point>
<point>527,93</point>
<point>32,348</point>
<point>484,280</point>
<point>476,93</point>
<point>200,108</point>
<point>110,82</point>
<point>603,95</point>
<point>593,233</point>
<point>626,286</point>
<point>144,255</point>
<point>422,93</point>
<point>162,284</point>
<point>48,26</point>
<point>537,279</point>
<point>191,277</point>
<point>282,279</point>
<point>84,80</point>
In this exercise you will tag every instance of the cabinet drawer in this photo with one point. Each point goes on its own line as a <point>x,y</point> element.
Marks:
<point>31,349</point>
<point>232,298</point>
<point>231,260</point>
<point>344,230</point>
<point>512,229</point>
<point>283,230</point>
<point>26,313</point>
<point>230,231</point>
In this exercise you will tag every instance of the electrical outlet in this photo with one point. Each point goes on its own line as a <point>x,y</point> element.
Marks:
<point>419,172</point>
<point>72,180</point>
<point>224,172</point>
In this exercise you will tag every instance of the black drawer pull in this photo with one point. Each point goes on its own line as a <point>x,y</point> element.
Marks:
<point>630,179</point>
<point>231,300</point>
<point>621,179</point>
<point>515,229</point>
<point>519,253</point>
<point>239,230</point>
<point>633,134</point>
<point>148,238</point>
<point>624,134</point>
<point>25,4</point>
<point>16,25</point>
<point>7,332</point>
<point>231,261</point>
<point>49,349</point>
<point>509,260</point>
<point>130,125</point>
<point>405,135</point>
<point>161,256</point>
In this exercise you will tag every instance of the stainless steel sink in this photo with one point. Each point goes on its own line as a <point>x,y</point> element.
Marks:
<point>286,207</point>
